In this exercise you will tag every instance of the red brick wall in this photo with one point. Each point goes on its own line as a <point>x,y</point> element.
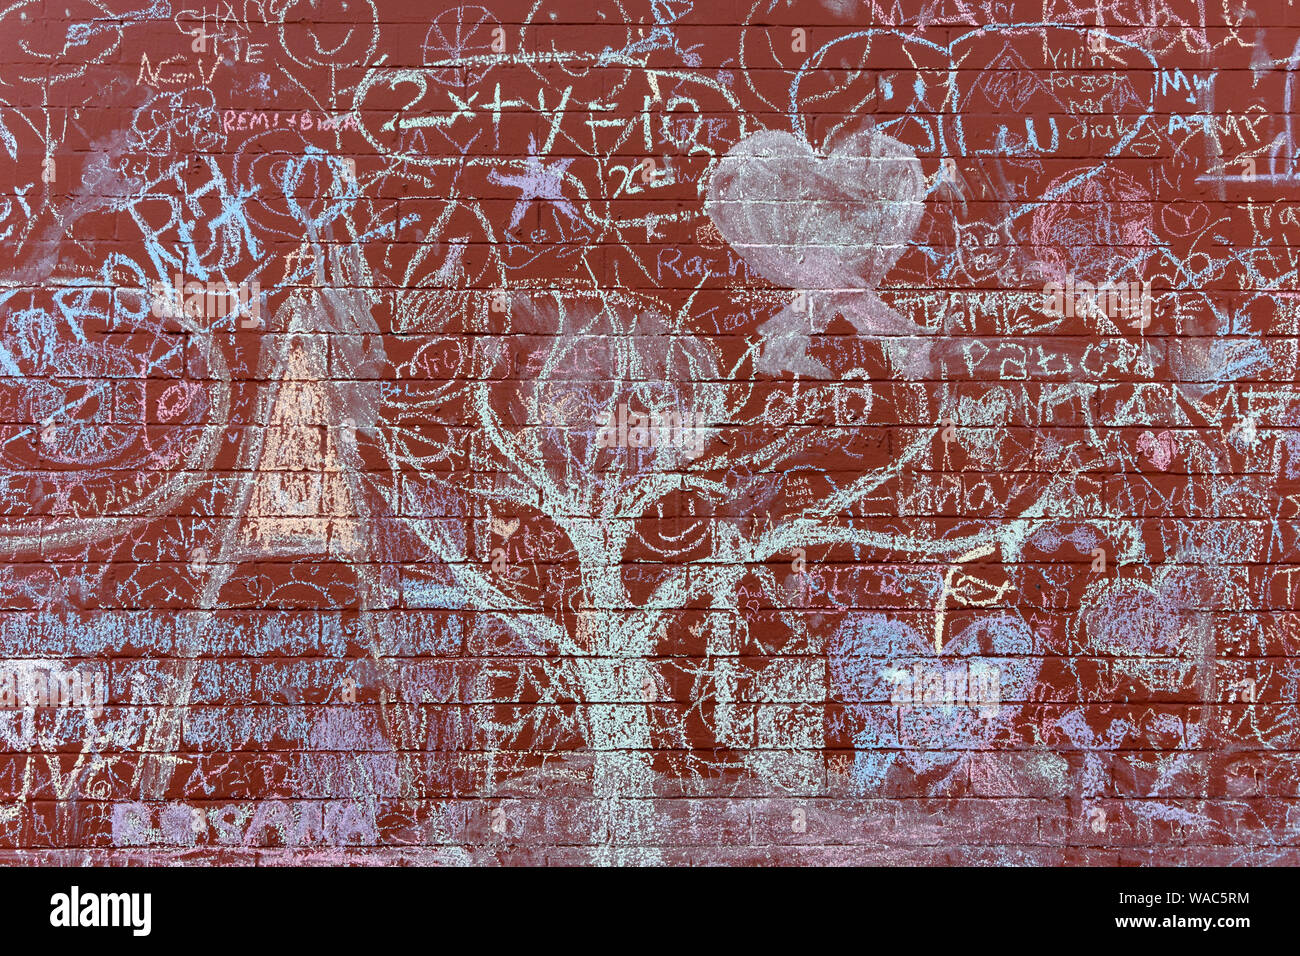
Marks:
<point>959,528</point>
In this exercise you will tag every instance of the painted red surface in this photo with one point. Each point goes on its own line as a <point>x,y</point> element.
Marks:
<point>645,431</point>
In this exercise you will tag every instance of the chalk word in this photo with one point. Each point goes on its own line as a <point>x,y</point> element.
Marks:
<point>327,823</point>
<point>234,121</point>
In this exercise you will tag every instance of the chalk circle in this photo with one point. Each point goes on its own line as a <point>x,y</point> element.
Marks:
<point>342,54</point>
<point>466,35</point>
<point>92,36</point>
<point>549,13</point>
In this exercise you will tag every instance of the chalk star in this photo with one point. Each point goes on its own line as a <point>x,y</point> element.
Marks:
<point>538,183</point>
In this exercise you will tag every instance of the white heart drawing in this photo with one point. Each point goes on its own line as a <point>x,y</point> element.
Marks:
<point>836,222</point>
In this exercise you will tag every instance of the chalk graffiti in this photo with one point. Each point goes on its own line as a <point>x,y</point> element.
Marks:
<point>511,435</point>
